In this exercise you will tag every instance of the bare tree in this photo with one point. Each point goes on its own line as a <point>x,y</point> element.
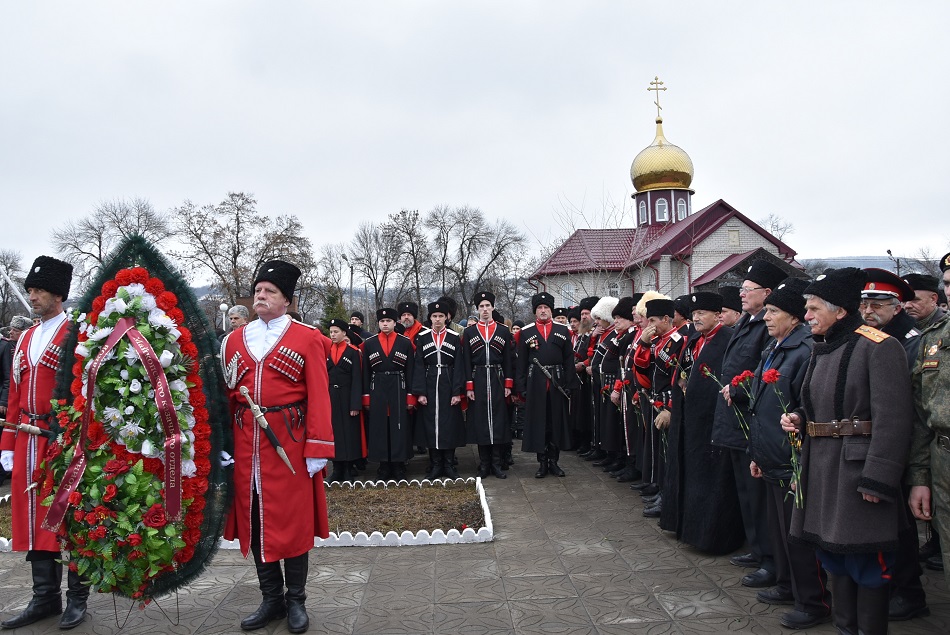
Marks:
<point>777,226</point>
<point>815,267</point>
<point>231,240</point>
<point>87,242</point>
<point>10,305</point>
<point>406,230</point>
<point>924,261</point>
<point>472,247</point>
<point>375,258</point>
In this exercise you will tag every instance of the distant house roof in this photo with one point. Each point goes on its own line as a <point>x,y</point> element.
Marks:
<point>741,262</point>
<point>590,249</point>
<point>617,249</point>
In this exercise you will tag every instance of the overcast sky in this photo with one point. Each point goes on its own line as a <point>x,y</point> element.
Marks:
<point>833,115</point>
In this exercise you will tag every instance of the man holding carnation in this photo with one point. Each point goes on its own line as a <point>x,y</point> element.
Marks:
<point>277,512</point>
<point>36,360</point>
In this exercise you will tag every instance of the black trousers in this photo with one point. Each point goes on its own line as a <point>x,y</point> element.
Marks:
<point>752,506</point>
<point>796,566</point>
<point>905,578</point>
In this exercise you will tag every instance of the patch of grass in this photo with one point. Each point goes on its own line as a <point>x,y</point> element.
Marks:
<point>408,507</point>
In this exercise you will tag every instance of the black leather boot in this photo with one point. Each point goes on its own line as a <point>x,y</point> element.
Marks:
<point>272,607</point>
<point>484,461</point>
<point>844,594</point>
<point>872,610</point>
<point>436,465</point>
<point>448,464</point>
<point>76,595</point>
<point>46,601</point>
<point>296,569</point>
<point>338,472</point>
<point>553,455</point>
<point>543,465</point>
<point>496,469</point>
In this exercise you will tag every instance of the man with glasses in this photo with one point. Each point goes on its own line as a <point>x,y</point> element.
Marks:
<point>744,352</point>
<point>881,308</point>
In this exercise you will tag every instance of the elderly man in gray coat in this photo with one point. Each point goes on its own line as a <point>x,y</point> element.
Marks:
<point>856,422</point>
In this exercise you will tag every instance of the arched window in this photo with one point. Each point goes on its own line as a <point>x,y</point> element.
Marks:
<point>643,212</point>
<point>662,210</point>
<point>681,209</point>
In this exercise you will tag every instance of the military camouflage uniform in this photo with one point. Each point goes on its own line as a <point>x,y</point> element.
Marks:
<point>930,449</point>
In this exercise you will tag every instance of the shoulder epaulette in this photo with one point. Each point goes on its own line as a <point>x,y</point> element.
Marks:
<point>424,331</point>
<point>528,325</point>
<point>871,333</point>
<point>309,326</point>
<point>911,333</point>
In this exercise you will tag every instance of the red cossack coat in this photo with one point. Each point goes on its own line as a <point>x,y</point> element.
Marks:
<point>31,389</point>
<point>292,508</point>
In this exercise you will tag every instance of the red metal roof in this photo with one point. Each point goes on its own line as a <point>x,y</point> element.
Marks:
<point>590,250</point>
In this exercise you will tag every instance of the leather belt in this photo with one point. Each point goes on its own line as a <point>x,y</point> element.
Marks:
<point>843,428</point>
<point>487,365</point>
<point>32,416</point>
<point>943,442</point>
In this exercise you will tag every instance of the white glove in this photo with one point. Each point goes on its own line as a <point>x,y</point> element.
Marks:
<point>226,459</point>
<point>6,460</point>
<point>315,465</point>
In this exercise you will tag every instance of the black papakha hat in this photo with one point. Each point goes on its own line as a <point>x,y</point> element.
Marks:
<point>340,324</point>
<point>544,298</point>
<point>922,282</point>
<point>386,312</point>
<point>789,296</point>
<point>483,295</point>
<point>624,308</point>
<point>882,283</point>
<point>359,315</point>
<point>438,307</point>
<point>765,274</point>
<point>731,299</point>
<point>588,303</point>
<point>518,323</point>
<point>50,274</point>
<point>681,305</point>
<point>841,287</point>
<point>705,301</point>
<point>636,299</point>
<point>355,335</point>
<point>498,317</point>
<point>408,307</point>
<point>574,313</point>
<point>660,307</point>
<point>450,306</point>
<point>558,312</point>
<point>282,275</point>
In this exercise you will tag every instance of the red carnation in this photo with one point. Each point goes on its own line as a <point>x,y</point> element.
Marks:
<point>97,306</point>
<point>197,505</point>
<point>185,554</point>
<point>191,536</point>
<point>52,452</point>
<point>166,300</point>
<point>203,467</point>
<point>115,467</point>
<point>97,436</point>
<point>73,566</point>
<point>78,515</point>
<point>202,447</point>
<point>91,518</point>
<point>154,466</point>
<point>76,387</point>
<point>197,399</point>
<point>139,275</point>
<point>193,521</point>
<point>111,491</point>
<point>109,289</point>
<point>75,498</point>
<point>188,349</point>
<point>135,540</point>
<point>123,277</point>
<point>176,315</point>
<point>154,286</point>
<point>770,376</point>
<point>155,516</point>
<point>92,318</point>
<point>77,369</point>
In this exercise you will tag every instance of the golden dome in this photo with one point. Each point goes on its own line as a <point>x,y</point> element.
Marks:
<point>661,165</point>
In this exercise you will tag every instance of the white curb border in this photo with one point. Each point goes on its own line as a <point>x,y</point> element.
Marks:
<point>377,539</point>
<point>392,539</point>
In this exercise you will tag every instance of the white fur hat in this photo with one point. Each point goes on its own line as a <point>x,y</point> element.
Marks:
<point>604,308</point>
<point>649,295</point>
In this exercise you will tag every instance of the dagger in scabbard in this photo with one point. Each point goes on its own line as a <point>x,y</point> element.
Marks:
<point>30,429</point>
<point>262,422</point>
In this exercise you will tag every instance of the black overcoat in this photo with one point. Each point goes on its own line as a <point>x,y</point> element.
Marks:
<point>487,369</point>
<point>346,395</point>
<point>386,382</point>
<point>543,402</point>
<point>436,377</point>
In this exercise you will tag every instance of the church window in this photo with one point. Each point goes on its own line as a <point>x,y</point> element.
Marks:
<point>662,210</point>
<point>681,209</point>
<point>643,212</point>
<point>569,291</point>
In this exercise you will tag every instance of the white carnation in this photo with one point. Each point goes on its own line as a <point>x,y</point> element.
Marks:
<point>82,350</point>
<point>159,319</point>
<point>188,468</point>
<point>116,305</point>
<point>148,302</point>
<point>135,289</point>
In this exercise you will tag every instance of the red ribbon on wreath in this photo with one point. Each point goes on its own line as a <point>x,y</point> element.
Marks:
<point>166,413</point>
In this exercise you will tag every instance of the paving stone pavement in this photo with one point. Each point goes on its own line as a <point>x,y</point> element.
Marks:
<point>571,556</point>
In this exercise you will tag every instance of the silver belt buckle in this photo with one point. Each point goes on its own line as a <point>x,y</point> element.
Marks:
<point>943,442</point>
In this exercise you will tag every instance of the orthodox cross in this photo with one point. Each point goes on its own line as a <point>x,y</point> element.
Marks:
<point>656,85</point>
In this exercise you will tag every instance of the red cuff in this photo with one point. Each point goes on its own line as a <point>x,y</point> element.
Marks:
<point>410,400</point>
<point>366,401</point>
<point>470,385</point>
<point>509,383</point>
